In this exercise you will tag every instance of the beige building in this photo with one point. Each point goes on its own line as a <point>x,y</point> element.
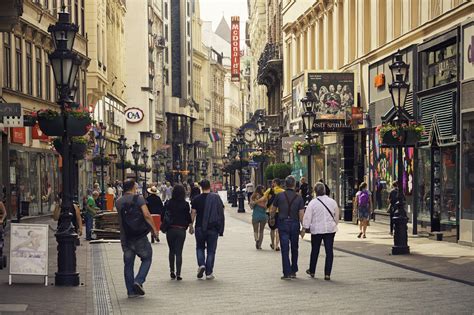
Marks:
<point>27,78</point>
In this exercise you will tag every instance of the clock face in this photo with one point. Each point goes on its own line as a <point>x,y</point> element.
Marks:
<point>250,135</point>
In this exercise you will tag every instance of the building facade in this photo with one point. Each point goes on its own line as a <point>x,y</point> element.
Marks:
<point>368,34</point>
<point>30,169</point>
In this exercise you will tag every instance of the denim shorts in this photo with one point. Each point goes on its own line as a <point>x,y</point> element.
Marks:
<point>364,213</point>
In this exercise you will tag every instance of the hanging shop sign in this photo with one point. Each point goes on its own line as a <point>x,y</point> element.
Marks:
<point>134,115</point>
<point>331,126</point>
<point>18,135</point>
<point>235,48</point>
<point>37,134</point>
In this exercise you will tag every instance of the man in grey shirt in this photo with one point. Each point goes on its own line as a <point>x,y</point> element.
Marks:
<point>290,213</point>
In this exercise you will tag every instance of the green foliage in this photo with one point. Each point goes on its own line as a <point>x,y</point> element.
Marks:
<point>47,114</point>
<point>281,170</point>
<point>269,172</point>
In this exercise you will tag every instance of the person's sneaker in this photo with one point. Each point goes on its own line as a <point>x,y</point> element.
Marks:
<point>179,278</point>
<point>364,236</point>
<point>138,288</point>
<point>327,278</point>
<point>172,275</point>
<point>285,278</point>
<point>256,244</point>
<point>293,275</point>
<point>200,271</point>
<point>210,277</point>
<point>133,296</point>
<point>360,234</point>
<point>277,249</point>
<point>309,273</point>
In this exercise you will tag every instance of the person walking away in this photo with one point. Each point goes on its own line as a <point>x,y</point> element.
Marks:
<point>304,189</point>
<point>168,191</point>
<point>155,206</point>
<point>250,189</point>
<point>91,211</point>
<point>195,191</point>
<point>270,195</point>
<point>163,191</point>
<point>291,210</point>
<point>135,224</point>
<point>259,215</point>
<point>180,214</point>
<point>326,187</point>
<point>392,204</point>
<point>207,211</point>
<point>364,208</point>
<point>321,218</point>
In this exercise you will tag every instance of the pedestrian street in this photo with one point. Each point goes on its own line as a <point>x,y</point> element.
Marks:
<point>248,281</point>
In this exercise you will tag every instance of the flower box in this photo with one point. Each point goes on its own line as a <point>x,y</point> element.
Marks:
<point>78,126</point>
<point>401,138</point>
<point>51,126</point>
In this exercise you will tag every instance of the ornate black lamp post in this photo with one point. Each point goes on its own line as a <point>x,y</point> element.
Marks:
<point>232,154</point>
<point>156,159</point>
<point>102,142</point>
<point>399,116</point>
<point>65,65</point>
<point>308,102</point>
<point>240,143</point>
<point>136,157</point>
<point>204,164</point>
<point>262,140</point>
<point>122,149</point>
<point>145,161</point>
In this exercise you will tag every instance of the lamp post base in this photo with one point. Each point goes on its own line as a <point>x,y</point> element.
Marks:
<point>66,275</point>
<point>400,238</point>
<point>241,200</point>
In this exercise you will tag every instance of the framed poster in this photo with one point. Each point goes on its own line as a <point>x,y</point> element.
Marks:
<point>29,249</point>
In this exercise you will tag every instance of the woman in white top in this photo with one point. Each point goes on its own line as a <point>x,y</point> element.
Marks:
<point>321,218</point>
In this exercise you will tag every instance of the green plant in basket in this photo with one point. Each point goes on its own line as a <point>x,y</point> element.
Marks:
<point>48,114</point>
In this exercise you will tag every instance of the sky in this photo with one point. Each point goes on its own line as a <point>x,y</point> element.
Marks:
<point>213,10</point>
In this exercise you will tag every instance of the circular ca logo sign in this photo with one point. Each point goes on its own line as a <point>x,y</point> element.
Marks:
<point>134,115</point>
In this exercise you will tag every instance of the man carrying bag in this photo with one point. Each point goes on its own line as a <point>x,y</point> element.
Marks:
<point>135,224</point>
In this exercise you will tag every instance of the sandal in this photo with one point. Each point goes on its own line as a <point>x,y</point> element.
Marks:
<point>271,246</point>
<point>360,234</point>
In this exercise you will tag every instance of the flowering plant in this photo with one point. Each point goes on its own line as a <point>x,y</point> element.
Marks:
<point>260,153</point>
<point>48,114</point>
<point>79,113</point>
<point>300,147</point>
<point>398,131</point>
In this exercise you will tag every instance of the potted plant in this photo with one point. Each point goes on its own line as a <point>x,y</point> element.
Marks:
<point>304,148</point>
<point>78,146</point>
<point>126,165</point>
<point>78,122</point>
<point>97,160</point>
<point>281,170</point>
<point>405,134</point>
<point>50,122</point>
<point>269,172</point>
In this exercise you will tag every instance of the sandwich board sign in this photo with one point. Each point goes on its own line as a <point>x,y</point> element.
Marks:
<point>29,250</point>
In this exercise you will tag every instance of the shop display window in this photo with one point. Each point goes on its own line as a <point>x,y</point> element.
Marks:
<point>424,189</point>
<point>440,65</point>
<point>467,174</point>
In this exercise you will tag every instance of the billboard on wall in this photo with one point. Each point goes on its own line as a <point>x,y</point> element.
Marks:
<point>235,48</point>
<point>298,92</point>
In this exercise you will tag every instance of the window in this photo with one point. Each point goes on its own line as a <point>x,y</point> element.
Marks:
<point>83,23</point>
<point>7,65</point>
<point>19,65</point>
<point>76,11</point>
<point>47,77</point>
<point>440,66</point>
<point>84,88</point>
<point>39,73</point>
<point>166,10</point>
<point>29,69</point>
<point>166,32</point>
<point>46,4</point>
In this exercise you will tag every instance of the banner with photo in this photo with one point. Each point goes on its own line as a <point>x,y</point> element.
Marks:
<point>334,93</point>
<point>298,92</point>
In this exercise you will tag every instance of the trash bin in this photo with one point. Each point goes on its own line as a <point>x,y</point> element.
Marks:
<point>25,208</point>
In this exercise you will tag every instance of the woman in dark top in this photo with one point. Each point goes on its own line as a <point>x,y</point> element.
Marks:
<point>155,205</point>
<point>195,191</point>
<point>180,216</point>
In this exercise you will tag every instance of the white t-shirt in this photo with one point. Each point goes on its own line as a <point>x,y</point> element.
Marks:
<point>249,188</point>
<point>317,217</point>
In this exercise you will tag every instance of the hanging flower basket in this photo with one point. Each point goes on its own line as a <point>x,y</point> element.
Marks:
<point>50,122</point>
<point>78,122</point>
<point>98,161</point>
<point>140,168</point>
<point>126,165</point>
<point>305,149</point>
<point>78,146</point>
<point>400,135</point>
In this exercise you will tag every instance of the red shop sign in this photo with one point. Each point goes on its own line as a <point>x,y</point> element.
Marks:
<point>36,133</point>
<point>18,135</point>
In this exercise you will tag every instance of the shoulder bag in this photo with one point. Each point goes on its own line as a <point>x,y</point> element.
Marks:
<point>332,215</point>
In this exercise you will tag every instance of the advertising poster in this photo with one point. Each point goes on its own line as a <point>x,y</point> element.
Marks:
<point>29,249</point>
<point>298,92</point>
<point>334,94</point>
<point>235,48</point>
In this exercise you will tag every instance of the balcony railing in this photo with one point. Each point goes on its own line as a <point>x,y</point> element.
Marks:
<point>270,63</point>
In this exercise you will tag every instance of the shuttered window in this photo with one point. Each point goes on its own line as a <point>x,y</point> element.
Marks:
<point>439,110</point>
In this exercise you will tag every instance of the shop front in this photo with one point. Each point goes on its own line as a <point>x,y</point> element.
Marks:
<point>437,160</point>
<point>466,233</point>
<point>382,161</point>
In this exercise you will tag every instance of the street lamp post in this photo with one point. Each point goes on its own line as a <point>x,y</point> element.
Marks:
<point>262,139</point>
<point>145,161</point>
<point>155,158</point>
<point>136,157</point>
<point>308,102</point>
<point>241,147</point>
<point>65,64</point>
<point>123,148</point>
<point>232,154</point>
<point>399,90</point>
<point>102,142</point>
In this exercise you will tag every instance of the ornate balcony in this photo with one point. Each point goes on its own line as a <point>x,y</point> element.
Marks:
<point>270,65</point>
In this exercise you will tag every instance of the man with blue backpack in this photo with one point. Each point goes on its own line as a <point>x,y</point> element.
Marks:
<point>364,208</point>
<point>135,224</point>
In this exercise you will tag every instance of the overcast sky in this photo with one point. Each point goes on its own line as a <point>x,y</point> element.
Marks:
<point>213,10</point>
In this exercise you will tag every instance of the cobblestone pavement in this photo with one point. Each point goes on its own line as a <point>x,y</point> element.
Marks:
<point>248,281</point>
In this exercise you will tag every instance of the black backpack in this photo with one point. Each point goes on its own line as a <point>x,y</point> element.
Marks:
<point>166,219</point>
<point>133,221</point>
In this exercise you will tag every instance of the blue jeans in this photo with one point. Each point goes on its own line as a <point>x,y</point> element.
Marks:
<point>207,240</point>
<point>89,219</point>
<point>289,230</point>
<point>142,249</point>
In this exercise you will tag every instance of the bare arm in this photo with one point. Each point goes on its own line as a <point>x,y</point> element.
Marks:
<point>3,212</point>
<point>148,218</point>
<point>301,214</point>
<point>78,219</point>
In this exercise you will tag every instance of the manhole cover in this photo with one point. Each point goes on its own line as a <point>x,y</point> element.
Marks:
<point>401,279</point>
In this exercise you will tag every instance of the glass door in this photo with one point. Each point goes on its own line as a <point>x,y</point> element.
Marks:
<point>424,190</point>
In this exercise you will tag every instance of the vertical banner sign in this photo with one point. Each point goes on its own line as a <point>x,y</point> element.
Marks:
<point>235,48</point>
